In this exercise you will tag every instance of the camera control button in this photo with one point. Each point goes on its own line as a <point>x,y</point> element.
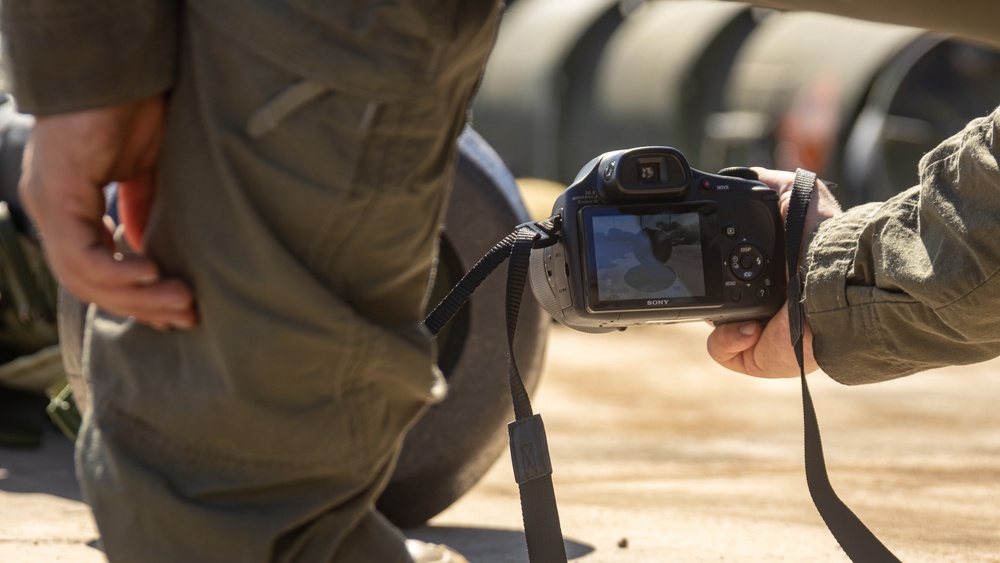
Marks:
<point>746,262</point>
<point>762,293</point>
<point>730,230</point>
<point>735,294</point>
<point>706,184</point>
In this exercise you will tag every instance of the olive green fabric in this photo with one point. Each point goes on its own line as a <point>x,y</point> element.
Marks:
<point>102,52</point>
<point>306,162</point>
<point>911,284</point>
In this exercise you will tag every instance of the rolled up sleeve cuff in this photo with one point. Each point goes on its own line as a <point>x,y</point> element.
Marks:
<point>74,55</point>
<point>829,263</point>
<point>899,287</point>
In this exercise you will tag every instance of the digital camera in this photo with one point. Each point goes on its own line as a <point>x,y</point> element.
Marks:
<point>646,239</point>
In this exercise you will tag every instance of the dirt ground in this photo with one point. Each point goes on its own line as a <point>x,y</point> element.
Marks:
<point>659,455</point>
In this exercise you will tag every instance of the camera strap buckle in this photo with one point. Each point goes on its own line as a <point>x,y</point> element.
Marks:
<point>548,231</point>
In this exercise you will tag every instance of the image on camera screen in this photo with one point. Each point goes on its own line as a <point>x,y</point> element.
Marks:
<point>648,256</point>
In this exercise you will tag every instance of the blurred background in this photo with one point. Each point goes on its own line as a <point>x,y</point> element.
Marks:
<point>729,85</point>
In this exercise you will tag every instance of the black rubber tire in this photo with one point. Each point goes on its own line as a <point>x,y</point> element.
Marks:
<point>457,441</point>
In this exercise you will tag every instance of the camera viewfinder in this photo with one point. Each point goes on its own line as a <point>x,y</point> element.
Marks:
<point>644,172</point>
<point>651,170</point>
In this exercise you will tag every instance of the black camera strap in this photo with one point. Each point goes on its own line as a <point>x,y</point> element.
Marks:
<point>528,445</point>
<point>529,449</point>
<point>858,542</point>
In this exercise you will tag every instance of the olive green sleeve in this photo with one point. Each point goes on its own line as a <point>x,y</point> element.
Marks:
<point>68,55</point>
<point>911,284</point>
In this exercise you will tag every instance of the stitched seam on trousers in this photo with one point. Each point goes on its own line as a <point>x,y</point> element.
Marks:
<point>141,430</point>
<point>360,430</point>
<point>345,378</point>
<point>379,184</point>
<point>316,254</point>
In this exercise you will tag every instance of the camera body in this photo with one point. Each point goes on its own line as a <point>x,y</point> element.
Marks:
<point>646,239</point>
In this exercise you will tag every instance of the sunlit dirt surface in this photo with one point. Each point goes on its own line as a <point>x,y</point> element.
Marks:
<point>660,455</point>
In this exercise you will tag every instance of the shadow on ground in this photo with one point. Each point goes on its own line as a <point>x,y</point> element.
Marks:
<point>487,545</point>
<point>48,469</point>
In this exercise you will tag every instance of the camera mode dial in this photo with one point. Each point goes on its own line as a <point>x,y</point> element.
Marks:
<point>747,262</point>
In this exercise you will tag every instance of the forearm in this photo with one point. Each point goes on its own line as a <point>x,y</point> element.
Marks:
<point>69,55</point>
<point>909,284</point>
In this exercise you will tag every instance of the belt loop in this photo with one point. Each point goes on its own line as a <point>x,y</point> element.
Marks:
<point>269,116</point>
<point>367,118</point>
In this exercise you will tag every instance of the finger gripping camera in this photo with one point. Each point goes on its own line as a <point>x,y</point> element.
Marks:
<point>646,239</point>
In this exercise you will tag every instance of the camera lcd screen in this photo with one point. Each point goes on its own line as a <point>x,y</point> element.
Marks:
<point>640,258</point>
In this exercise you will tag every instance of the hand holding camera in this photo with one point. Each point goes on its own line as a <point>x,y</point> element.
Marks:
<point>646,239</point>
<point>763,351</point>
